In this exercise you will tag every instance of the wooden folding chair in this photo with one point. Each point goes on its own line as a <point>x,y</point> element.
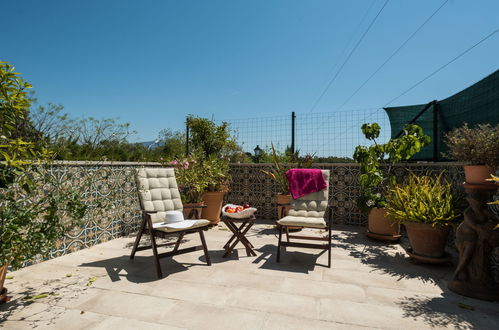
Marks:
<point>307,211</point>
<point>158,193</point>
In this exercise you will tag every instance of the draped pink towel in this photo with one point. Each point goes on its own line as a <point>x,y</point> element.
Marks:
<point>304,181</point>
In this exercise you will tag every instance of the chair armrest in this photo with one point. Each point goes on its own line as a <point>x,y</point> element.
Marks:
<point>149,212</point>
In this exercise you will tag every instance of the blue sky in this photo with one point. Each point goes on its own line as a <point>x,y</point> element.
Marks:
<point>153,62</point>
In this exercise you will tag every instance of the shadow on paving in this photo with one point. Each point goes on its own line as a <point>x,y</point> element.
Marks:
<point>385,258</point>
<point>291,261</point>
<point>447,311</point>
<point>47,293</point>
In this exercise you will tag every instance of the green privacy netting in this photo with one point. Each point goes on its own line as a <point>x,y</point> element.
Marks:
<point>476,104</point>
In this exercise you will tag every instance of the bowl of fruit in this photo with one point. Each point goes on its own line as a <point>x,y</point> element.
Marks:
<point>238,211</point>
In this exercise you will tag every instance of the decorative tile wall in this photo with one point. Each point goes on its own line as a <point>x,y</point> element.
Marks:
<point>110,183</point>
<point>114,184</point>
<point>250,184</point>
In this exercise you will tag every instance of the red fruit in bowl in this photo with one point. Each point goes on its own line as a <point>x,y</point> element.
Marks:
<point>239,209</point>
<point>246,206</point>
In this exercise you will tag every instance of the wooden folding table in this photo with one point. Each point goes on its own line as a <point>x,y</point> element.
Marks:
<point>239,234</point>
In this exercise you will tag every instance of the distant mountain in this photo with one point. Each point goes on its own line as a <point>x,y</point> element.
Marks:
<point>152,144</point>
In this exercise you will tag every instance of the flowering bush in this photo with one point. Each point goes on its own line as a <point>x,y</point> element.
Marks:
<point>478,145</point>
<point>191,179</point>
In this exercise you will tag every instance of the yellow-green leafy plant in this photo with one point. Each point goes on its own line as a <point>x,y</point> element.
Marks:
<point>424,199</point>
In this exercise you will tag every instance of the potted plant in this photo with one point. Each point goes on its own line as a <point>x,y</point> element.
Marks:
<point>376,174</point>
<point>278,175</point>
<point>217,176</point>
<point>213,145</point>
<point>478,147</point>
<point>428,208</point>
<point>192,183</point>
<point>36,209</point>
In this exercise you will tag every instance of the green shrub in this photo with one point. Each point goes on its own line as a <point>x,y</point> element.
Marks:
<point>423,199</point>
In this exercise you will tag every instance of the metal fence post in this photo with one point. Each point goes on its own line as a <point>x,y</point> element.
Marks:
<point>435,131</point>
<point>187,151</point>
<point>293,117</point>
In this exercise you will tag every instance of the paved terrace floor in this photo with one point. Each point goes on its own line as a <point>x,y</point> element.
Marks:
<point>370,285</point>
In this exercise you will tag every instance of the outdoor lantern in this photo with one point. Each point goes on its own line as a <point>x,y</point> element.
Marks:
<point>258,152</point>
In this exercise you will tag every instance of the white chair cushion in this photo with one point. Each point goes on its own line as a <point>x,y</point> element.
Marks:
<point>309,222</point>
<point>197,224</point>
<point>158,191</point>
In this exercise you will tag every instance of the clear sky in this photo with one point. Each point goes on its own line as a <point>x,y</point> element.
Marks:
<point>153,62</point>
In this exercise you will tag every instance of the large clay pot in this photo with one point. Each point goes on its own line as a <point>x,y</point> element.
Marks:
<point>283,199</point>
<point>427,240</point>
<point>213,202</point>
<point>380,224</point>
<point>477,174</point>
<point>188,207</point>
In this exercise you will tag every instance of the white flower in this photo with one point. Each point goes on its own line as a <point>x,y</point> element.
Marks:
<point>370,203</point>
<point>3,137</point>
<point>378,195</point>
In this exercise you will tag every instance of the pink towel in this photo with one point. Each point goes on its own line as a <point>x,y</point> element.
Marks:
<point>304,181</point>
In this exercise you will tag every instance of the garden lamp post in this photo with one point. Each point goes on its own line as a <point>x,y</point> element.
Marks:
<point>258,153</point>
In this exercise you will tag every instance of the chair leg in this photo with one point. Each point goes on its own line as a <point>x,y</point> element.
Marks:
<point>139,236</point>
<point>329,246</point>
<point>177,244</point>
<point>287,234</point>
<point>205,247</point>
<point>155,249</point>
<point>279,244</point>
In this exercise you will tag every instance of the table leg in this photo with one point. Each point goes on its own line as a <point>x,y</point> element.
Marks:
<point>240,233</point>
<point>233,236</point>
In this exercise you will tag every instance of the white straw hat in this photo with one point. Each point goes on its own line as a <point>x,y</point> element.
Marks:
<point>175,219</point>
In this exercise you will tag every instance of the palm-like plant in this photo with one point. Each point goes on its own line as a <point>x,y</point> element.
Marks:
<point>278,173</point>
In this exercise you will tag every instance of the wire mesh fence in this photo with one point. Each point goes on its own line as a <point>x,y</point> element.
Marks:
<point>329,136</point>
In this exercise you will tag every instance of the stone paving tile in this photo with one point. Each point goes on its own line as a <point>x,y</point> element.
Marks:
<point>321,289</point>
<point>201,316</point>
<point>274,302</point>
<point>285,322</point>
<point>128,305</point>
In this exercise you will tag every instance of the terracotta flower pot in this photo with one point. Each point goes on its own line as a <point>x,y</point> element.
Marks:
<point>213,202</point>
<point>3,273</point>
<point>188,209</point>
<point>380,224</point>
<point>427,240</point>
<point>476,174</point>
<point>3,290</point>
<point>283,199</point>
